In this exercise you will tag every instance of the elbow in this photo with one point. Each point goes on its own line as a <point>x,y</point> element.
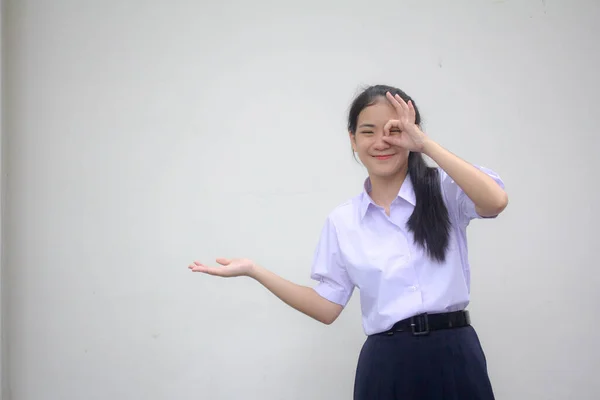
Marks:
<point>494,208</point>
<point>330,314</point>
<point>501,203</point>
<point>326,319</point>
<point>323,309</point>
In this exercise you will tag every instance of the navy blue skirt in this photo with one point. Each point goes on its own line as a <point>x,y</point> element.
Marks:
<point>447,364</point>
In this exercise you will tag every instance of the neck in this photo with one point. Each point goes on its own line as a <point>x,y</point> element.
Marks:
<point>384,189</point>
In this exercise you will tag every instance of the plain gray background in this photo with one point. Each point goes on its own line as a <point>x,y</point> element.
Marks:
<point>141,135</point>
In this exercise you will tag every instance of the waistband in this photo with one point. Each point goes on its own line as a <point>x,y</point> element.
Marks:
<point>422,324</point>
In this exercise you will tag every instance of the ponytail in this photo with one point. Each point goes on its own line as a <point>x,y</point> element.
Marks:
<point>429,222</point>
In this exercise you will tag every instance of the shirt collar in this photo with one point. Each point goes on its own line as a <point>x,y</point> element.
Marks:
<point>406,192</point>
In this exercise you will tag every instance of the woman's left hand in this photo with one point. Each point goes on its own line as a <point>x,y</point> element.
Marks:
<point>411,137</point>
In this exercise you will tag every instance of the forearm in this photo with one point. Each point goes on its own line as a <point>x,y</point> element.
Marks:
<point>489,198</point>
<point>302,298</point>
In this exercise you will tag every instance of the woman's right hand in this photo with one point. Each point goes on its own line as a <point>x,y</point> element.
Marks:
<point>302,298</point>
<point>230,267</point>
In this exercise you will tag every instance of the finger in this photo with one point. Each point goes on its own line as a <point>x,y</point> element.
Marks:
<point>402,102</point>
<point>223,261</point>
<point>206,269</point>
<point>393,140</point>
<point>197,267</point>
<point>392,123</point>
<point>411,110</point>
<point>394,102</point>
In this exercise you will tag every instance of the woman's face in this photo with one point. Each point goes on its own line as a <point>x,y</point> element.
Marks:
<point>380,158</point>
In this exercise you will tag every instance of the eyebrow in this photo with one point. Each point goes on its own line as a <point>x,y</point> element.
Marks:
<point>367,126</point>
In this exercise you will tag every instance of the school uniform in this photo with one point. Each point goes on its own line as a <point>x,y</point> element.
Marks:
<point>420,344</point>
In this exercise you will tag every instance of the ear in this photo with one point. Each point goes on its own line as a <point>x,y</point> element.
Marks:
<point>352,140</point>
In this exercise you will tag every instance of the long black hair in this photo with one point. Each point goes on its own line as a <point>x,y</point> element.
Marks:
<point>429,222</point>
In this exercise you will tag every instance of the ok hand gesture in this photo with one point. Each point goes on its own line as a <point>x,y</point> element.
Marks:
<point>411,137</point>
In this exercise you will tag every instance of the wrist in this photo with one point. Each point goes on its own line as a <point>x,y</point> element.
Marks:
<point>254,271</point>
<point>429,147</point>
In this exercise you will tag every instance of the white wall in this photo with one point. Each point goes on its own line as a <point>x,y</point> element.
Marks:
<point>3,380</point>
<point>143,135</point>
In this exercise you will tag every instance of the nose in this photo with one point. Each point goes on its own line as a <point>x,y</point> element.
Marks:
<point>380,144</point>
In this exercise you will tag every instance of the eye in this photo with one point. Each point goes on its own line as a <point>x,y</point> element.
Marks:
<point>395,131</point>
<point>367,132</point>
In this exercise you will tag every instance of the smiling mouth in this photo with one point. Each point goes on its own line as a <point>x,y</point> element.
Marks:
<point>383,157</point>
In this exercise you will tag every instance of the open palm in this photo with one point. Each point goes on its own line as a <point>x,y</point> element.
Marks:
<point>229,267</point>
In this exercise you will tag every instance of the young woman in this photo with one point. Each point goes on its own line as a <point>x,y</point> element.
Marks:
<point>402,243</point>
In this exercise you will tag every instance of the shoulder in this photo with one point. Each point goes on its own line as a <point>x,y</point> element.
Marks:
<point>346,213</point>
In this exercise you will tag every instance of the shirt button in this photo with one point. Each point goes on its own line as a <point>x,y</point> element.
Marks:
<point>413,288</point>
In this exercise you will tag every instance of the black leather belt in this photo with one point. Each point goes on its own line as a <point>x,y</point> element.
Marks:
<point>422,324</point>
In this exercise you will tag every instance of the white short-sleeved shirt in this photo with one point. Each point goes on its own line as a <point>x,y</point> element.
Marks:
<point>361,247</point>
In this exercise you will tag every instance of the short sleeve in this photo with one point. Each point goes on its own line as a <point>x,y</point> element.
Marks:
<point>459,204</point>
<point>328,268</point>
